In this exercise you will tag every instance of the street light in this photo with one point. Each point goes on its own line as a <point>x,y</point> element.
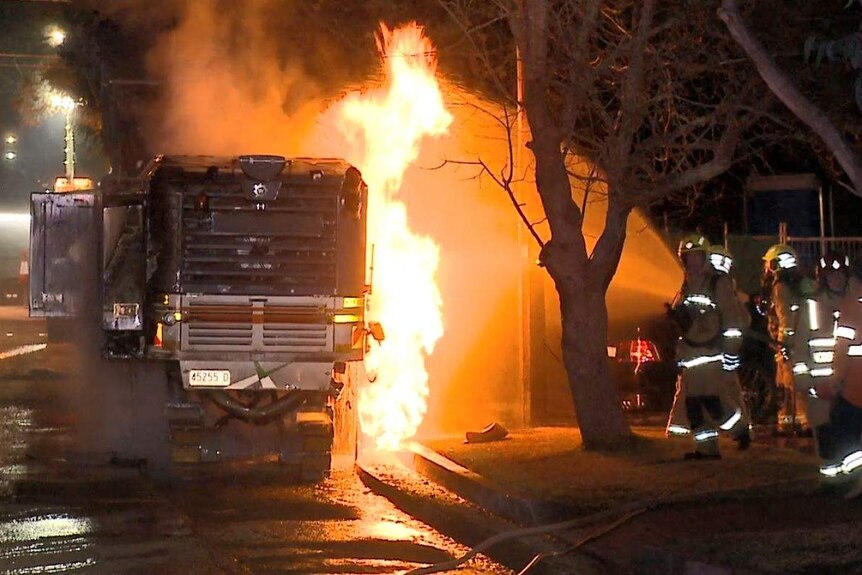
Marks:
<point>55,36</point>
<point>10,155</point>
<point>11,139</point>
<point>60,102</point>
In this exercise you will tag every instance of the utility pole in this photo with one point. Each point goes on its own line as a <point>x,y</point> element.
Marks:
<point>524,356</point>
<point>531,298</point>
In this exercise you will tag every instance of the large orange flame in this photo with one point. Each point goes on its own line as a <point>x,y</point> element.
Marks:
<point>384,129</point>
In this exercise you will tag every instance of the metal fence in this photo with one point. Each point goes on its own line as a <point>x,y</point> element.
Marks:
<point>748,250</point>
<point>810,250</point>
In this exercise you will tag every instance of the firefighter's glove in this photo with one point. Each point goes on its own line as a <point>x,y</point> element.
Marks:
<point>730,361</point>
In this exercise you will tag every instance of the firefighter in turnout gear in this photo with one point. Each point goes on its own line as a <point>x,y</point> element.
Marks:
<point>721,261</point>
<point>786,290</point>
<point>835,399</point>
<point>709,317</point>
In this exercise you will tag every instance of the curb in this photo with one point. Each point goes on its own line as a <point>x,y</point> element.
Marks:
<point>478,490</point>
<point>526,511</point>
<point>444,511</point>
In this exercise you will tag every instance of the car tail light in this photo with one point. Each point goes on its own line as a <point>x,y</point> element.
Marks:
<point>643,351</point>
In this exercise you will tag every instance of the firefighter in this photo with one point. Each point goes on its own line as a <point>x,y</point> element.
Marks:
<point>845,417</point>
<point>707,313</point>
<point>827,325</point>
<point>721,262</point>
<point>786,291</point>
<point>839,439</point>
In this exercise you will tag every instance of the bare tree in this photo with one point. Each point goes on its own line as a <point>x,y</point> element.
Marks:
<point>783,86</point>
<point>647,94</point>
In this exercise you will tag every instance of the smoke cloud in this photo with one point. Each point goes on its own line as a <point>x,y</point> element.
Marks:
<point>228,87</point>
<point>235,77</point>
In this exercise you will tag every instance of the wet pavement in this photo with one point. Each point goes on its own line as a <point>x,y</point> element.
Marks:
<point>338,526</point>
<point>18,330</point>
<point>63,510</point>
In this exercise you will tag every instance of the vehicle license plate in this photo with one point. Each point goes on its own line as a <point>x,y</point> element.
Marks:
<point>209,378</point>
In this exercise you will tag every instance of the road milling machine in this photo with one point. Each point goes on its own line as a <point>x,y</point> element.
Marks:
<point>219,303</point>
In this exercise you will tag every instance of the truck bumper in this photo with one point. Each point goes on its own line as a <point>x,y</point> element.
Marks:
<point>256,375</point>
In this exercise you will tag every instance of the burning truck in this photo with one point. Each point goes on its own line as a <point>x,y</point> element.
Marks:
<point>225,293</point>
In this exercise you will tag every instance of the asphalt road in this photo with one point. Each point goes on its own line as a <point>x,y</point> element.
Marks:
<point>17,330</point>
<point>63,510</point>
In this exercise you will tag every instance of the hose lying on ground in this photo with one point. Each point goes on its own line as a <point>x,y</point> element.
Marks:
<point>583,541</point>
<point>632,510</point>
<point>629,511</point>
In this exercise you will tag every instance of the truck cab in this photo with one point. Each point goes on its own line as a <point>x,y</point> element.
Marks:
<point>242,278</point>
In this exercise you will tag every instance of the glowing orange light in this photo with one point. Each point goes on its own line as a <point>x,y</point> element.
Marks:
<point>63,185</point>
<point>384,129</point>
<point>642,351</point>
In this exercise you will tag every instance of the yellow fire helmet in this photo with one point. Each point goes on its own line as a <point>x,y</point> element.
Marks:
<point>692,243</point>
<point>720,259</point>
<point>781,257</point>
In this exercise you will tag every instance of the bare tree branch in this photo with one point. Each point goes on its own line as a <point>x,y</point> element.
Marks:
<point>783,87</point>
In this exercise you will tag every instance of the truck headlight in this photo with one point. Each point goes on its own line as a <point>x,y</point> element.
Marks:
<point>172,317</point>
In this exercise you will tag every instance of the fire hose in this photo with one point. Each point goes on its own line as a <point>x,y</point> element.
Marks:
<point>537,530</point>
<point>628,511</point>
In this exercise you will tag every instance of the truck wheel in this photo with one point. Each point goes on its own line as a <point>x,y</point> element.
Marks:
<point>315,468</point>
<point>149,394</point>
<point>307,448</point>
<point>121,414</point>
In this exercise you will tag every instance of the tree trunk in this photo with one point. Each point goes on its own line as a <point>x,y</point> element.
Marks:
<point>585,332</point>
<point>580,281</point>
<point>585,328</point>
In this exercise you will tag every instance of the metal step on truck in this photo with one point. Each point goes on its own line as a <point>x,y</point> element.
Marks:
<point>217,303</point>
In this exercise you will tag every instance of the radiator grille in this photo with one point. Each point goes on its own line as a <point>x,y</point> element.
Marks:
<point>220,335</point>
<point>295,337</point>
<point>233,247</point>
<point>258,326</point>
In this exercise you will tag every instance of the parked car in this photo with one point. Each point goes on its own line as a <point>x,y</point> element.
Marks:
<point>644,374</point>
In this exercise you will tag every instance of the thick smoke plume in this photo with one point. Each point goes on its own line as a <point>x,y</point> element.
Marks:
<point>233,77</point>
<point>227,87</point>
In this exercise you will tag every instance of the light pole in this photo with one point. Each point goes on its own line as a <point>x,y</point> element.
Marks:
<point>65,104</point>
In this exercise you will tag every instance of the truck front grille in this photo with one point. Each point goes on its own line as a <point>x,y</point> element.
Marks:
<point>233,247</point>
<point>292,337</point>
<point>203,335</point>
<point>230,323</point>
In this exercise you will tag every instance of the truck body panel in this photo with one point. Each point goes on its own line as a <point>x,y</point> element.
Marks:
<point>63,231</point>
